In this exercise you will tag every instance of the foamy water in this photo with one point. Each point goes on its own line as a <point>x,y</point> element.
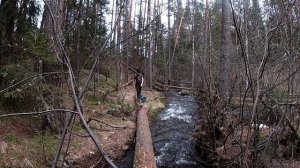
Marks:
<point>172,133</point>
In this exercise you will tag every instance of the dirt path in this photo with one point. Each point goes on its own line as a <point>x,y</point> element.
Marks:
<point>115,141</point>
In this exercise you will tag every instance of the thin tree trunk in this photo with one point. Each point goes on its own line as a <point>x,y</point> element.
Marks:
<point>127,34</point>
<point>193,38</point>
<point>78,42</point>
<point>246,6</point>
<point>224,58</point>
<point>177,37</point>
<point>118,59</point>
<point>169,43</point>
<point>206,57</point>
<point>140,36</point>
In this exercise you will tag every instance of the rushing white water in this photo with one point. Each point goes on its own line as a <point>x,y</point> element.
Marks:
<point>172,133</point>
<point>176,111</point>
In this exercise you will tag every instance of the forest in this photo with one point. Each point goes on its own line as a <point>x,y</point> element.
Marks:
<point>67,67</point>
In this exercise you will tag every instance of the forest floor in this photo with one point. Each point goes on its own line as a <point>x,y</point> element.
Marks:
<point>113,114</point>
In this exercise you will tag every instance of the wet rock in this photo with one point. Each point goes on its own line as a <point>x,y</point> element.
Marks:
<point>3,147</point>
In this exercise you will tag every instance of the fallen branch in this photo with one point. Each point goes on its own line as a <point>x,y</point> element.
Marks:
<point>37,113</point>
<point>178,87</point>
<point>95,165</point>
<point>77,134</point>
<point>33,76</point>
<point>91,119</point>
<point>128,83</point>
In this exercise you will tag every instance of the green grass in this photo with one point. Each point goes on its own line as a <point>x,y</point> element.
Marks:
<point>43,146</point>
<point>13,139</point>
<point>39,150</point>
<point>77,127</point>
<point>154,109</point>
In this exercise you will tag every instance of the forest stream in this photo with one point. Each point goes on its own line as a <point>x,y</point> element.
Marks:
<point>172,131</point>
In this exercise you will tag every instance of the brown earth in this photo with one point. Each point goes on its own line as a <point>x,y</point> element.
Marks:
<point>115,141</point>
<point>22,144</point>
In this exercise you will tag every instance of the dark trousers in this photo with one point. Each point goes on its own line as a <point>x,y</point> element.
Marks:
<point>138,88</point>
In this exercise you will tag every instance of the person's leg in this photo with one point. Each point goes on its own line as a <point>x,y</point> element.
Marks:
<point>138,90</point>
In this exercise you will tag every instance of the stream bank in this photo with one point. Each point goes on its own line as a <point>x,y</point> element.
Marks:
<point>172,134</point>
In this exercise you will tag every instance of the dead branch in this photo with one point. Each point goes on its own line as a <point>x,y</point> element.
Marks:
<point>30,77</point>
<point>38,113</point>
<point>94,119</point>
<point>78,134</point>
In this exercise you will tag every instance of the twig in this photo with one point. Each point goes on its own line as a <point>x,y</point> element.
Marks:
<point>93,166</point>
<point>78,134</point>
<point>91,119</point>
<point>37,113</point>
<point>68,141</point>
<point>33,76</point>
<point>258,76</point>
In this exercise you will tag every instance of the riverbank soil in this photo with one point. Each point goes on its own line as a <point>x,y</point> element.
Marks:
<point>111,115</point>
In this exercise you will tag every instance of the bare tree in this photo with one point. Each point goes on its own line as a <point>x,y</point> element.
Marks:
<point>169,42</point>
<point>127,33</point>
<point>226,46</point>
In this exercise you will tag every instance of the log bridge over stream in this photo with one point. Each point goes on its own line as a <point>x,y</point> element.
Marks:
<point>144,154</point>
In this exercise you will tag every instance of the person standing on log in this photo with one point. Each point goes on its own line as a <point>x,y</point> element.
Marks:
<point>139,80</point>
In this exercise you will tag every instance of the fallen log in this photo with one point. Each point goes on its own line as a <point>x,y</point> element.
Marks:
<point>128,83</point>
<point>178,87</point>
<point>144,154</point>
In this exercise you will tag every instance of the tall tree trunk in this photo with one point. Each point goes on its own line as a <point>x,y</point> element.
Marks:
<point>193,41</point>
<point>246,13</point>
<point>206,57</point>
<point>151,41</point>
<point>7,31</point>
<point>126,35</point>
<point>78,42</point>
<point>169,43</point>
<point>118,48</point>
<point>53,26</point>
<point>140,25</point>
<point>224,57</point>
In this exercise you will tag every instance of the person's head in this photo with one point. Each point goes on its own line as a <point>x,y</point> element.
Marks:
<point>138,70</point>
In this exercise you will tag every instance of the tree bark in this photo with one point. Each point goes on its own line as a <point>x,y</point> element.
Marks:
<point>126,35</point>
<point>206,47</point>
<point>226,46</point>
<point>169,43</point>
<point>53,28</point>
<point>78,42</point>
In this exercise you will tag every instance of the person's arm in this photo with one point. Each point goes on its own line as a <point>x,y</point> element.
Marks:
<point>142,81</point>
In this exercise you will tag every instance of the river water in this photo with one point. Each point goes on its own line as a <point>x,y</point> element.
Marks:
<point>172,131</point>
<point>174,146</point>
